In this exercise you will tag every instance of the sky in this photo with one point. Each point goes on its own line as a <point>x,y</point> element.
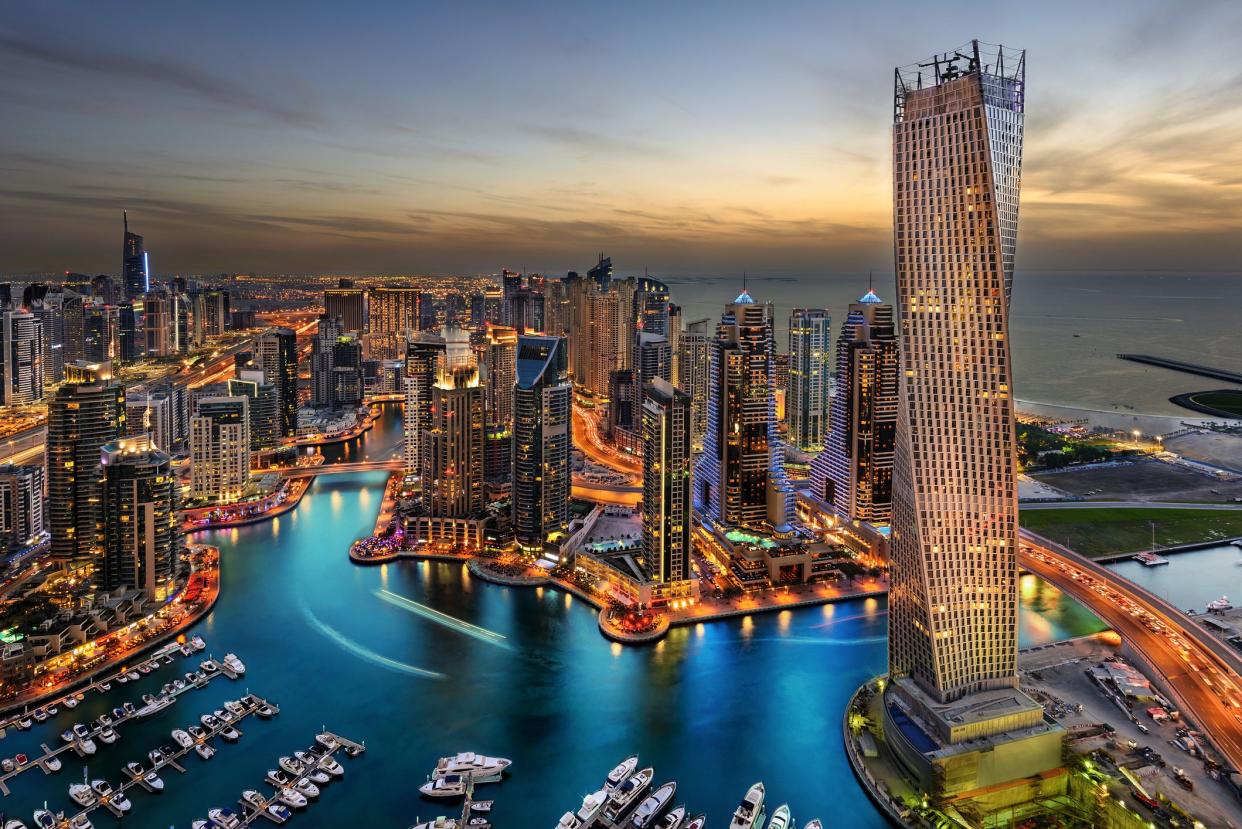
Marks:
<point>410,137</point>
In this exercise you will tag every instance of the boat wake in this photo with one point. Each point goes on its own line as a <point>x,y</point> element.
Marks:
<point>857,616</point>
<point>825,640</point>
<point>432,615</point>
<point>363,652</point>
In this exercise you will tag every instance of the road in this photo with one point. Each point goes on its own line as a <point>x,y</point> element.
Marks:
<point>1027,506</point>
<point>1202,673</point>
<point>592,444</point>
<point>391,465</point>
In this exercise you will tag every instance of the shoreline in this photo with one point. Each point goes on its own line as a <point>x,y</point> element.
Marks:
<point>285,506</point>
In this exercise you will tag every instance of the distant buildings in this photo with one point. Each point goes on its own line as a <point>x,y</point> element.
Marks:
<point>141,527</point>
<point>854,474</point>
<point>694,366</point>
<point>349,304</point>
<point>21,505</point>
<point>806,398</point>
<point>394,313</point>
<point>542,441</point>
<point>220,449</point>
<point>84,414</point>
<point>666,415</point>
<point>336,366</point>
<point>22,362</point>
<point>276,353</point>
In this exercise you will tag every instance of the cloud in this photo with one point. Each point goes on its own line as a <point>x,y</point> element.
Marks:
<point>599,142</point>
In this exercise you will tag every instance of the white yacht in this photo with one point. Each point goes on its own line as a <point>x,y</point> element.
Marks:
<point>234,707</point>
<point>696,822</point>
<point>307,788</point>
<point>121,802</point>
<point>86,747</point>
<point>14,823</point>
<point>204,751</point>
<point>198,643</point>
<point>224,817</point>
<point>591,806</point>
<point>622,772</point>
<point>52,764</point>
<point>83,795</point>
<point>1220,605</point>
<point>653,805</point>
<point>278,812</point>
<point>478,767</point>
<point>81,822</point>
<point>236,665</point>
<point>70,702</point>
<point>290,765</point>
<point>107,735</point>
<point>182,737</point>
<point>291,798</point>
<point>781,818</point>
<point>749,813</point>
<point>441,822</point>
<point>255,799</point>
<point>673,820</point>
<point>43,819</point>
<point>230,734</point>
<point>449,785</point>
<point>623,796</point>
<point>326,740</point>
<point>332,767</point>
<point>154,781</point>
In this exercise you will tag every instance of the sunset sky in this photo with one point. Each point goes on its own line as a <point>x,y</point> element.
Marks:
<point>412,137</point>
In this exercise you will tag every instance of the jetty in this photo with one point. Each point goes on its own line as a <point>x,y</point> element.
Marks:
<point>1188,368</point>
<point>251,812</point>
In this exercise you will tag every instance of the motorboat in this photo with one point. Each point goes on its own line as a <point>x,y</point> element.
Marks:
<point>86,747</point>
<point>1220,605</point>
<point>118,713</point>
<point>292,798</point>
<point>307,788</point>
<point>70,702</point>
<point>623,796</point>
<point>440,822</point>
<point>199,824</point>
<point>197,643</point>
<point>155,705</point>
<point>14,823</point>
<point>132,675</point>
<point>191,677</point>
<point>223,817</point>
<point>318,777</point>
<point>696,822</point>
<point>155,756</point>
<point>134,769</point>
<point>204,751</point>
<point>104,719</point>
<point>197,732</point>
<point>21,760</point>
<point>591,806</point>
<point>182,738</point>
<point>209,721</point>
<point>622,772</point>
<point>52,764</point>
<point>52,710</point>
<point>154,781</point>
<point>121,802</point>
<point>652,805</point>
<point>749,813</point>
<point>68,735</point>
<point>265,711</point>
<point>290,765</point>
<point>129,708</point>
<point>234,664</point>
<point>81,822</point>
<point>781,818</point>
<point>102,788</point>
<point>277,778</point>
<point>279,812</point>
<point>209,666</point>
<point>478,767</point>
<point>449,785</point>
<point>332,767</point>
<point>481,806</point>
<point>230,734</point>
<point>107,735</point>
<point>186,650</point>
<point>43,819</point>
<point>7,765</point>
<point>326,740</point>
<point>40,716</point>
<point>253,798</point>
<point>104,687</point>
<point>25,724</point>
<point>178,684</point>
<point>122,679</point>
<point>149,699</point>
<point>234,707</point>
<point>83,795</point>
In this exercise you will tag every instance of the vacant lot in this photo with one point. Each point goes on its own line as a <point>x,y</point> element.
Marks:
<point>1148,480</point>
<point>1103,531</point>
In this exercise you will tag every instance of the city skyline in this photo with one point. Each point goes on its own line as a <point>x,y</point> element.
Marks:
<point>399,160</point>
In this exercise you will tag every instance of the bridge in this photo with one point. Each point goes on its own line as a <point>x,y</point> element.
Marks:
<point>1202,673</point>
<point>392,465</point>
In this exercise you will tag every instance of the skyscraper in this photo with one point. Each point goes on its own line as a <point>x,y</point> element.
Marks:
<point>323,360</point>
<point>159,321</point>
<point>452,448</point>
<point>393,315</point>
<point>694,367</point>
<point>264,405</point>
<point>135,265</point>
<point>806,399</point>
<point>498,368</point>
<point>84,414</point>
<point>652,360</point>
<point>666,417</point>
<point>220,449</point>
<point>348,303</point>
<point>854,473</point>
<point>22,363</point>
<point>957,149</point>
<point>276,353</point>
<point>542,441</point>
<point>21,505</point>
<point>422,360</point>
<point>141,528</point>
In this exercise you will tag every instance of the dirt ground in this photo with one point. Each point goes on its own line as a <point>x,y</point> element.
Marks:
<point>1147,480</point>
<point>1210,447</point>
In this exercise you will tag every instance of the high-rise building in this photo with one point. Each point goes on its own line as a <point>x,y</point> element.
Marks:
<point>666,509</point>
<point>393,315</point>
<point>806,398</point>
<point>675,332</point>
<point>323,361</point>
<point>348,385</point>
<point>348,303</point>
<point>652,360</point>
<point>21,505</point>
<point>220,449</point>
<point>130,346</point>
<point>854,473</point>
<point>84,414</point>
<point>422,361</point>
<point>162,414</point>
<point>49,308</point>
<point>694,369</point>
<point>542,441</point>
<point>264,405</point>
<point>159,319</point>
<point>498,367</point>
<point>102,333</point>
<point>135,265</point>
<point>452,448</point>
<point>72,309</point>
<point>141,528</point>
<point>22,363</point>
<point>953,599</point>
<point>651,306</point>
<point>601,274</point>
<point>739,475</point>
<point>276,353</point>
<point>556,308</point>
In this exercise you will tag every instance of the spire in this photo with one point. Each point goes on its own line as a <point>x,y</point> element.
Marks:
<point>125,219</point>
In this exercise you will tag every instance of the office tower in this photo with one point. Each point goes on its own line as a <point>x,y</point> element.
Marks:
<point>666,417</point>
<point>49,308</point>
<point>674,334</point>
<point>135,265</point>
<point>622,414</point>
<point>741,459</point>
<point>806,399</point>
<point>394,314</point>
<point>348,303</point>
<point>276,353</point>
<point>214,306</point>
<point>694,368</point>
<point>129,347</point>
<point>652,360</point>
<point>323,367</point>
<point>84,414</point>
<point>220,449</point>
<point>854,473</point>
<point>264,405</point>
<point>6,296</point>
<point>601,274</point>
<point>348,385</point>
<point>452,448</point>
<point>422,360</point>
<point>154,415</point>
<point>159,319</point>
<point>651,306</point>
<point>513,302</point>
<point>105,291</point>
<point>542,441</point>
<point>21,365</point>
<point>556,309</point>
<point>498,367</point>
<point>141,528</point>
<point>957,148</point>
<point>102,333</point>
<point>486,307</point>
<point>73,310</point>
<point>21,505</point>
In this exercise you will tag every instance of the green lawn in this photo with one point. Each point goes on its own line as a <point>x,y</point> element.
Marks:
<point>1223,399</point>
<point>1108,530</point>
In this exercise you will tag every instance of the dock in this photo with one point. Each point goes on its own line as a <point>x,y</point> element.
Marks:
<point>250,704</point>
<point>48,753</point>
<point>250,812</point>
<point>1188,368</point>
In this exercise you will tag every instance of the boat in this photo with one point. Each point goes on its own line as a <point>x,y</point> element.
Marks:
<point>107,735</point>
<point>14,823</point>
<point>70,702</point>
<point>118,713</point>
<point>134,769</point>
<point>332,767</point>
<point>653,805</point>
<point>290,765</point>
<point>318,777</point>
<point>591,806</point>
<point>122,678</point>
<point>450,785</point>
<point>129,709</point>
<point>673,819</point>
<point>199,824</point>
<point>255,799</point>
<point>696,822</point>
<point>7,765</point>
<point>234,707</point>
<point>230,734</point>
<point>102,788</point>
<point>279,812</point>
<point>25,724</point>
<point>197,732</point>
<point>265,711</point>
<point>182,737</point>
<point>43,819</point>
<point>481,806</point>
<point>178,684</point>
<point>186,650</point>
<point>749,813</point>
<point>277,778</point>
<point>81,794</point>
<point>781,818</point>
<point>441,822</point>
<point>21,760</point>
<point>40,716</point>
<point>224,817</point>
<point>326,740</point>
<point>307,788</point>
<point>81,822</point>
<point>204,751</point>
<point>197,643</point>
<point>133,675</point>
<point>155,756</point>
<point>121,802</point>
<point>209,666</point>
<point>68,735</point>
<point>292,799</point>
<point>1150,559</point>
<point>209,721</point>
<point>156,705</point>
<point>104,687</point>
<point>234,664</point>
<point>478,767</point>
<point>154,781</point>
<point>86,747</point>
<point>1220,605</point>
<point>623,796</point>
<point>52,763</point>
<point>622,772</point>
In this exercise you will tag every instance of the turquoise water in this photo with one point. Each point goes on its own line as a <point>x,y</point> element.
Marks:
<point>715,707</point>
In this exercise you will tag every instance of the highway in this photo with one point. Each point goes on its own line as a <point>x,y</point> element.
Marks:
<point>588,439</point>
<point>1203,674</point>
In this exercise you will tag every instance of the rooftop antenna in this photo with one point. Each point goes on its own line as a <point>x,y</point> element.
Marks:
<point>125,219</point>
<point>870,281</point>
<point>743,281</point>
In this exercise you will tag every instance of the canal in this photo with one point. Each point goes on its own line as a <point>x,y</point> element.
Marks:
<point>516,672</point>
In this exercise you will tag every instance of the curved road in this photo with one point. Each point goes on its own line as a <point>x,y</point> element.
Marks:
<point>1203,674</point>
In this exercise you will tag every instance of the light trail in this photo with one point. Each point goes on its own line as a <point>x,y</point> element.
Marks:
<point>365,653</point>
<point>432,615</point>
